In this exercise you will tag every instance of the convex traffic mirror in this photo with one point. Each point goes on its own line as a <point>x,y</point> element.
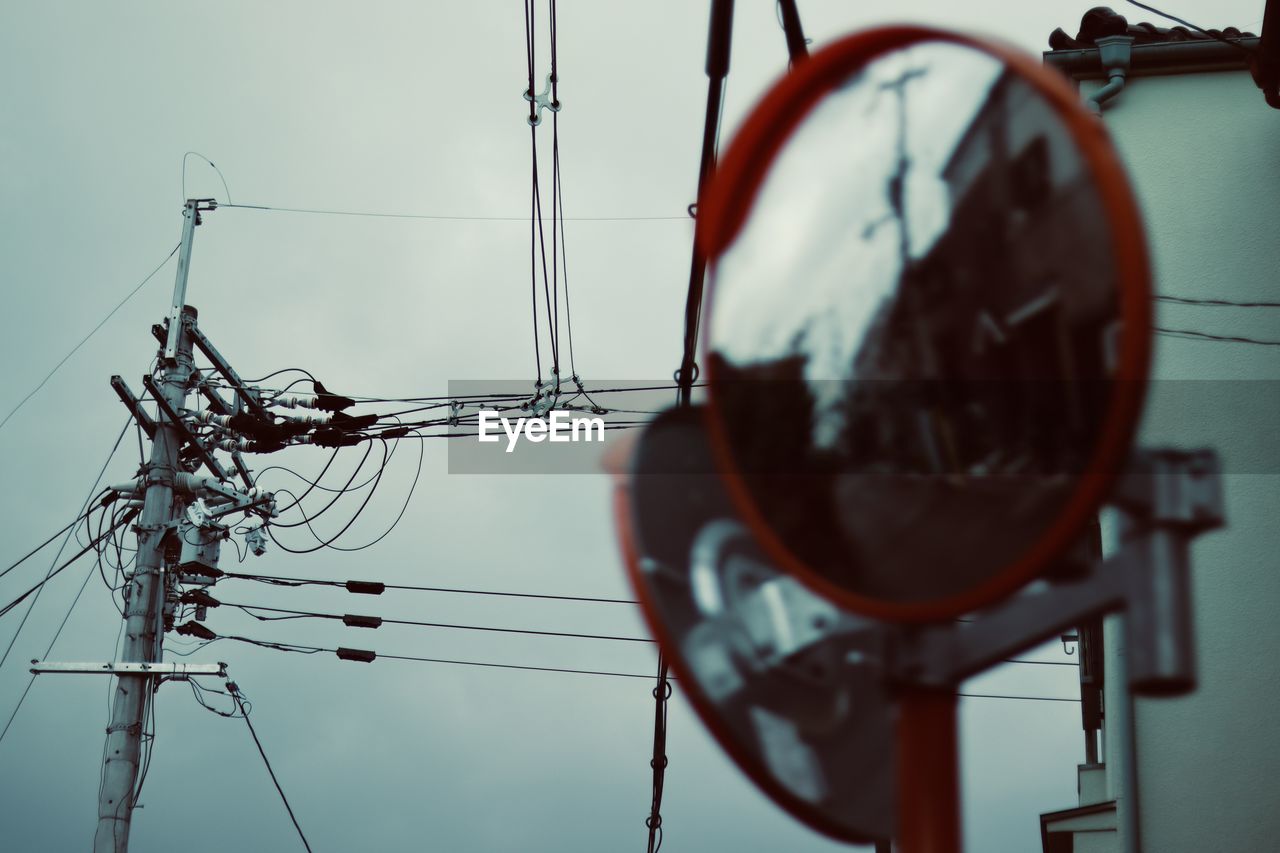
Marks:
<point>790,685</point>
<point>927,329</point>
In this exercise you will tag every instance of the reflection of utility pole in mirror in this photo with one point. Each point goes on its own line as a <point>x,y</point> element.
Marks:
<point>896,186</point>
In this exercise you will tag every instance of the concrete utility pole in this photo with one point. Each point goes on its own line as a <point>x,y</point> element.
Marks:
<point>144,591</point>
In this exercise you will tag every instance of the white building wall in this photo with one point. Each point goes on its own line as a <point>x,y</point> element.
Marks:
<point>1203,150</point>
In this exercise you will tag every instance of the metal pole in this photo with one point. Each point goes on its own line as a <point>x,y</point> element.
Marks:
<point>192,215</point>
<point>1122,730</point>
<point>719,38</point>
<point>928,772</point>
<point>144,592</point>
<point>796,45</point>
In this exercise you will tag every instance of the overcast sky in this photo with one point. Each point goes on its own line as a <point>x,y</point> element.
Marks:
<point>397,108</point>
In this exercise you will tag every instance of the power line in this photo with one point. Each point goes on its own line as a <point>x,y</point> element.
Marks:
<point>1009,696</point>
<point>1227,303</point>
<point>368,657</point>
<point>403,508</point>
<point>464,398</point>
<point>1205,336</point>
<point>51,575</point>
<point>449,218</point>
<point>1189,25</point>
<point>17,707</point>
<point>518,666</point>
<point>329,542</point>
<point>377,587</point>
<point>235,694</point>
<point>361,586</point>
<point>93,490</point>
<point>83,340</point>
<point>43,545</point>
<point>338,493</point>
<point>306,614</point>
<point>1043,662</point>
<point>48,650</point>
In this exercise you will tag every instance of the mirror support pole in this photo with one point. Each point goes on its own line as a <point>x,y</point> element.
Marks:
<point>1168,497</point>
<point>928,772</point>
<point>719,38</point>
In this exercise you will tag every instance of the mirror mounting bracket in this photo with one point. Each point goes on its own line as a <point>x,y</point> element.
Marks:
<point>1166,498</point>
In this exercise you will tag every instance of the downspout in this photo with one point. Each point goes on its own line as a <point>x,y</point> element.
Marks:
<point>1114,53</point>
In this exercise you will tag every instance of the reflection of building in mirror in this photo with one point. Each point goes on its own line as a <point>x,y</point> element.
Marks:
<point>975,391</point>
<point>992,355</point>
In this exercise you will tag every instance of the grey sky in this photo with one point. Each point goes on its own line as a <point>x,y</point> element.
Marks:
<point>396,107</point>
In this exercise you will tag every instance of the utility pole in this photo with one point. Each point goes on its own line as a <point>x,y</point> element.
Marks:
<point>181,522</point>
<point>144,591</point>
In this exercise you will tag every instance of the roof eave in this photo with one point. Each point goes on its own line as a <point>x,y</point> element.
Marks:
<point>1171,57</point>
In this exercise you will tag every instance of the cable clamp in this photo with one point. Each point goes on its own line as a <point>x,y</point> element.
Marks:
<point>595,409</point>
<point>540,102</point>
<point>545,396</point>
<point>158,473</point>
<point>679,376</point>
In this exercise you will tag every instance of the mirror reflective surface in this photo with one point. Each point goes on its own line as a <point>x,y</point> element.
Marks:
<point>912,342</point>
<point>790,685</point>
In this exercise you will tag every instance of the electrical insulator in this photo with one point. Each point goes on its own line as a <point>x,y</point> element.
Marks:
<point>131,487</point>
<point>295,401</point>
<point>208,417</point>
<point>318,418</point>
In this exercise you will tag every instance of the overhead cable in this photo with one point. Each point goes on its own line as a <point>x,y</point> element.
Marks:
<point>1008,696</point>
<point>48,651</point>
<point>1205,336</point>
<point>43,544</point>
<point>366,656</point>
<point>1216,303</point>
<point>451,218</point>
<point>1216,36</point>
<point>85,339</point>
<point>35,590</point>
<point>369,587</point>
<point>51,575</point>
<point>239,699</point>
<point>374,621</point>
